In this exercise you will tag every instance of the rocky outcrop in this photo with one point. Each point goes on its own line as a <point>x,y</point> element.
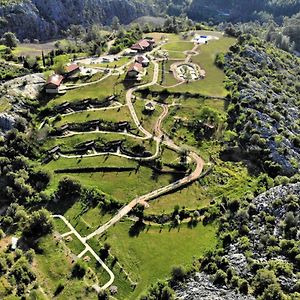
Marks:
<point>200,287</point>
<point>7,121</point>
<point>28,86</point>
<point>45,19</point>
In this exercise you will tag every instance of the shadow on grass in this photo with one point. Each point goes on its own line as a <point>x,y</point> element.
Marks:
<point>136,229</point>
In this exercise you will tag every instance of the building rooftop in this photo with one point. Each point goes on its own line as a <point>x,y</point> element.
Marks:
<point>136,67</point>
<point>55,79</point>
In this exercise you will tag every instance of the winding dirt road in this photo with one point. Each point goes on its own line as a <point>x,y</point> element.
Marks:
<point>161,138</point>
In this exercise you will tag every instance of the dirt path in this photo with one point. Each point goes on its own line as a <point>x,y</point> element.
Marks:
<point>160,138</point>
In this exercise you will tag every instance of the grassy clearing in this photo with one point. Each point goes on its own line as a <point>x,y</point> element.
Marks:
<point>213,84</point>
<point>171,37</point>
<point>60,226</point>
<point>54,265</point>
<point>176,55</point>
<point>99,90</point>
<point>148,120</point>
<point>115,64</point>
<point>178,46</point>
<point>114,115</point>
<point>169,78</point>
<point>191,197</point>
<point>69,143</point>
<point>86,220</point>
<point>34,49</point>
<point>123,186</point>
<point>150,256</point>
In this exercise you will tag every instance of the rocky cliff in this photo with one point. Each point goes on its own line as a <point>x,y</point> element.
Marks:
<point>44,19</point>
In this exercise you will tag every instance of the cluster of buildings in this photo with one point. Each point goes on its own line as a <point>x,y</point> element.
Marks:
<point>55,81</point>
<point>136,70</point>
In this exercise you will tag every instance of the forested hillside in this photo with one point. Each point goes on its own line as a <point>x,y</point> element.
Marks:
<point>45,19</point>
<point>264,110</point>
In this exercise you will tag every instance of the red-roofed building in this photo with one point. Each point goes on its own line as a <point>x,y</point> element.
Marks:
<point>143,60</point>
<point>71,69</point>
<point>135,70</point>
<point>143,45</point>
<point>53,84</point>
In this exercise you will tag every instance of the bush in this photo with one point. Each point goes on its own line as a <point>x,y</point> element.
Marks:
<point>220,277</point>
<point>178,273</point>
<point>79,269</point>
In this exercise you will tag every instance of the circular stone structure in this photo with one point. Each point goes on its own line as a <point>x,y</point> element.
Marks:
<point>187,71</point>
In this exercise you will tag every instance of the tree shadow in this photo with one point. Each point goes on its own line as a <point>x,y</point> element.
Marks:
<point>136,229</point>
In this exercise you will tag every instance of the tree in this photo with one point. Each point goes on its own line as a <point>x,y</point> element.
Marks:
<point>263,279</point>
<point>220,277</point>
<point>115,23</point>
<point>68,188</point>
<point>40,223</point>
<point>76,32</point>
<point>10,40</point>
<point>178,273</point>
<point>79,269</point>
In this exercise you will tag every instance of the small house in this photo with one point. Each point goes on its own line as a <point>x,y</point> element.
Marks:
<point>54,150</point>
<point>143,45</point>
<point>143,60</point>
<point>53,84</point>
<point>149,107</point>
<point>135,70</point>
<point>71,70</point>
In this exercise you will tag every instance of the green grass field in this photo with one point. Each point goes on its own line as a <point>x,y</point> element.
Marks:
<point>148,120</point>
<point>178,46</point>
<point>124,186</point>
<point>54,265</point>
<point>112,115</point>
<point>169,78</point>
<point>118,63</point>
<point>213,84</point>
<point>100,90</point>
<point>69,143</point>
<point>151,255</point>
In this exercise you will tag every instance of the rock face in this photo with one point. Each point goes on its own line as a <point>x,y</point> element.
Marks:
<point>7,121</point>
<point>200,287</point>
<point>44,19</point>
<point>27,86</point>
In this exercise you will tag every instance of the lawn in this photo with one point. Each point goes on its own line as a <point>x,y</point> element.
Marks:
<point>115,64</point>
<point>171,37</point>
<point>213,84</point>
<point>179,46</point>
<point>148,120</point>
<point>34,49</point>
<point>99,90</point>
<point>113,115</point>
<point>54,265</point>
<point>150,256</point>
<point>123,186</point>
<point>69,143</point>
<point>169,78</point>
<point>191,197</point>
<point>86,220</point>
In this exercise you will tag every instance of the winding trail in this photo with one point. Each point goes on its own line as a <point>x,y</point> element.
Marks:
<point>160,138</point>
